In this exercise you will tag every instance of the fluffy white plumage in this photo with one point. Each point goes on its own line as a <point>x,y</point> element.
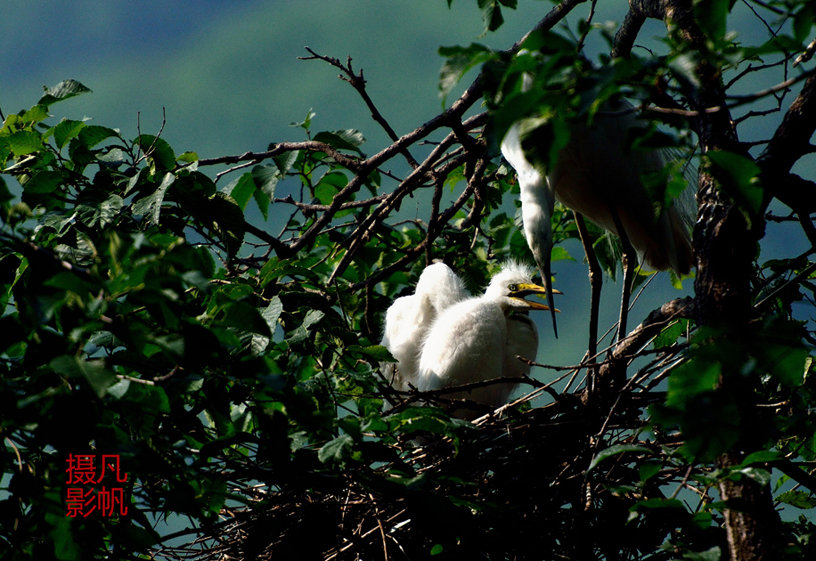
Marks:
<point>409,318</point>
<point>478,339</point>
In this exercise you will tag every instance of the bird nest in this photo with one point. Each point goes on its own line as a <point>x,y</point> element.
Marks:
<point>517,478</point>
<point>510,485</point>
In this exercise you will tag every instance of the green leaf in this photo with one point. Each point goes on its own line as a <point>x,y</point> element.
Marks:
<point>158,150</point>
<point>241,190</point>
<point>658,503</point>
<point>112,156</point>
<point>458,61</point>
<point>348,139</point>
<point>35,114</point>
<point>670,334</point>
<point>799,499</point>
<point>762,456</point>
<point>46,181</point>
<point>312,317</point>
<point>647,470</point>
<point>228,221</point>
<point>24,142</point>
<point>378,352</point>
<point>119,389</point>
<point>306,123</point>
<point>92,135</point>
<point>329,185</point>
<point>150,206</point>
<point>266,178</point>
<point>712,16</point>
<point>559,253</point>
<point>65,547</point>
<point>739,176</point>
<point>712,554</point>
<point>5,194</point>
<point>64,90</point>
<point>336,450</point>
<point>691,379</point>
<point>786,362</point>
<point>188,156</point>
<point>803,21</point>
<point>491,14</point>
<point>424,419</point>
<point>151,399</point>
<point>303,330</point>
<point>272,313</point>
<point>685,66</point>
<point>108,210</point>
<point>703,520</point>
<point>247,318</point>
<point>285,161</point>
<point>615,450</point>
<point>93,371</point>
<point>761,476</point>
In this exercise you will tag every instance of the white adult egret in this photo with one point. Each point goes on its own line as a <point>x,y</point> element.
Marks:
<point>478,339</point>
<point>600,175</point>
<point>408,319</point>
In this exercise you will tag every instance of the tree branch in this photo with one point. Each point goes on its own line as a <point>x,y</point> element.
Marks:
<point>627,349</point>
<point>791,140</point>
<point>358,82</point>
<point>350,162</point>
<point>364,231</point>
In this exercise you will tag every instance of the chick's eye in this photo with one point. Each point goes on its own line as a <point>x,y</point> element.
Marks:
<point>512,287</point>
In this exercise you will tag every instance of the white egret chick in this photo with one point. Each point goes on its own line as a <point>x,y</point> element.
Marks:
<point>478,339</point>
<point>600,175</point>
<point>408,319</point>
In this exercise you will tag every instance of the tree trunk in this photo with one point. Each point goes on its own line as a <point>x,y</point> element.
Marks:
<point>751,523</point>
<point>726,246</point>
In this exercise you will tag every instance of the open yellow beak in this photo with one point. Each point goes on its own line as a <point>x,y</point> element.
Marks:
<point>530,289</point>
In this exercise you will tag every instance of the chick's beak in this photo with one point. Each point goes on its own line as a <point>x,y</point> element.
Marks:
<point>530,289</point>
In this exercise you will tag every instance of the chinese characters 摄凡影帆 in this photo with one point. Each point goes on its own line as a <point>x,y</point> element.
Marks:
<point>84,474</point>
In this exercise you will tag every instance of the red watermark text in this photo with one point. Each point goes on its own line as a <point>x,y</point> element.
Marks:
<point>95,486</point>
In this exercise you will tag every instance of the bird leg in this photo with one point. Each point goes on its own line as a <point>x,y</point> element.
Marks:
<point>629,262</point>
<point>595,284</point>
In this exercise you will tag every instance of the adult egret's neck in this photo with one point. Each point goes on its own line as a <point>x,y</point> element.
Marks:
<point>511,149</point>
<point>537,201</point>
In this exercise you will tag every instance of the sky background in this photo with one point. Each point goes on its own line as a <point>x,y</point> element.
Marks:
<point>228,78</point>
<point>227,72</point>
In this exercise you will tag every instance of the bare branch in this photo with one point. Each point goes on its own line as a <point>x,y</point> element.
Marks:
<point>358,82</point>
<point>416,251</point>
<point>806,55</point>
<point>792,139</point>
<point>323,208</point>
<point>549,21</point>
<point>363,232</point>
<point>628,348</point>
<point>628,32</point>
<point>782,86</point>
<point>639,12</point>
<point>350,162</point>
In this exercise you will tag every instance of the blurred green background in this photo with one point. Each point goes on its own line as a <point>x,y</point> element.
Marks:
<point>227,72</point>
